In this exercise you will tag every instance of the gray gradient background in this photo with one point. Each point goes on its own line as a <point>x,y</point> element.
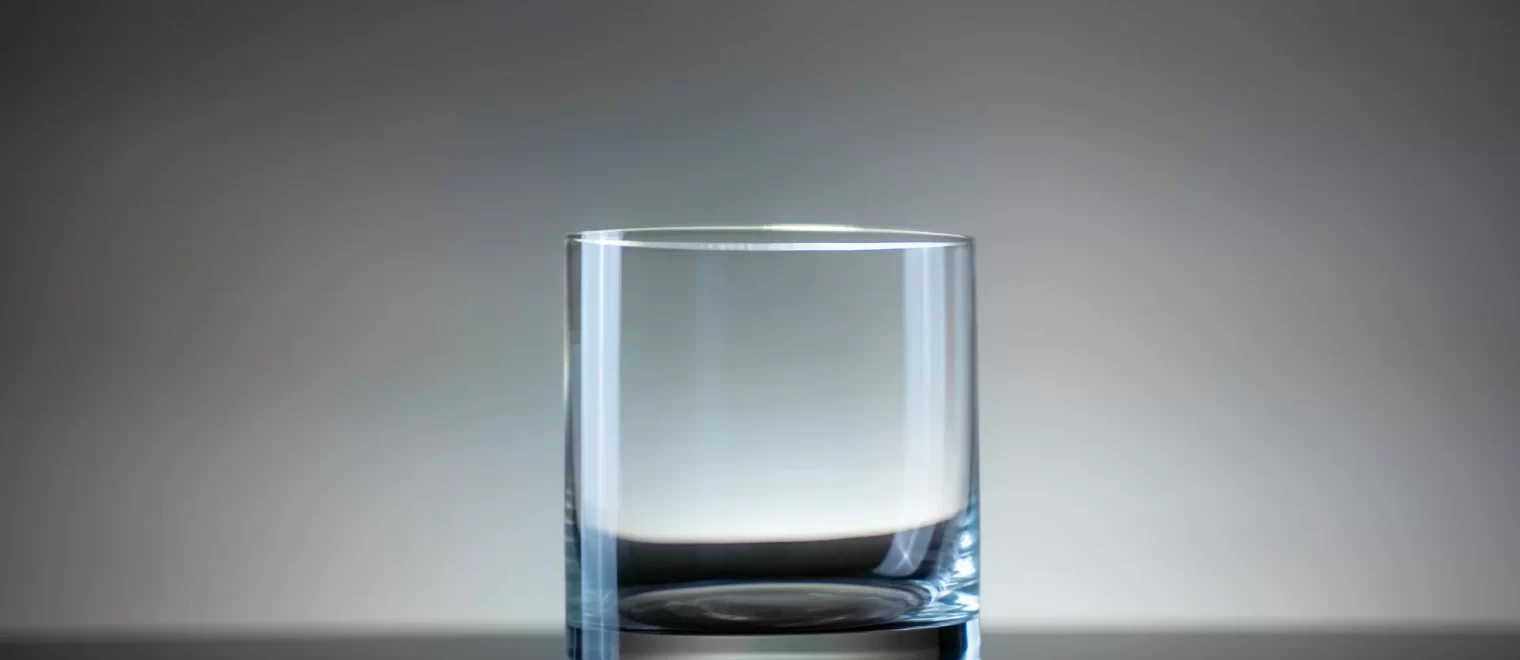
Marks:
<point>281,344</point>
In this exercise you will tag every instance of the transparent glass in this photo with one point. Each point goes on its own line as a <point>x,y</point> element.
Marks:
<point>769,431</point>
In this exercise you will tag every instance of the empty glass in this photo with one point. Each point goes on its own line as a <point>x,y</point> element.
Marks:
<point>770,431</point>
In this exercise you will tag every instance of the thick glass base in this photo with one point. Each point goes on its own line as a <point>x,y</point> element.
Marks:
<point>770,608</point>
<point>959,641</point>
<point>923,577</point>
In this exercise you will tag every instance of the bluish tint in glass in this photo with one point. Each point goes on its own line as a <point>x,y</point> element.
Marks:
<point>771,431</point>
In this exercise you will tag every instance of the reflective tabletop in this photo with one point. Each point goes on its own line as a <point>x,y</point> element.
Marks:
<point>1305,645</point>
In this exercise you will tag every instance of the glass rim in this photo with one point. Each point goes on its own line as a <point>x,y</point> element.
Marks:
<point>770,238</point>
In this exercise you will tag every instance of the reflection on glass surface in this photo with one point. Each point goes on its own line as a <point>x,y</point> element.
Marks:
<point>771,432</point>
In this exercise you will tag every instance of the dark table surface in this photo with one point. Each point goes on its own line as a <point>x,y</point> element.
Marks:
<point>1446,645</point>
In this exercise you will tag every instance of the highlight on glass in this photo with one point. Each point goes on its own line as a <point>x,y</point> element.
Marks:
<point>770,431</point>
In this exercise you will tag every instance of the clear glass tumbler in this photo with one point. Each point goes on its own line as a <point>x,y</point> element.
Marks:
<point>770,431</point>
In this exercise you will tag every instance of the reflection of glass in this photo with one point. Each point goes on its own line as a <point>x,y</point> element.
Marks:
<point>771,431</point>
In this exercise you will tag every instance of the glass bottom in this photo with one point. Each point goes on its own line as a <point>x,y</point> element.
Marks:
<point>916,578</point>
<point>771,608</point>
<point>957,641</point>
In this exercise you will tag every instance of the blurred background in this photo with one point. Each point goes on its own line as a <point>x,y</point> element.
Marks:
<point>282,298</point>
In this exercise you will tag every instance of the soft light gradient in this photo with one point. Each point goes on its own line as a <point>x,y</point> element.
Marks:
<point>773,395</point>
<point>282,337</point>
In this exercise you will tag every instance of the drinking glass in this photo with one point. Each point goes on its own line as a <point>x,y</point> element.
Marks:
<point>770,433</point>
